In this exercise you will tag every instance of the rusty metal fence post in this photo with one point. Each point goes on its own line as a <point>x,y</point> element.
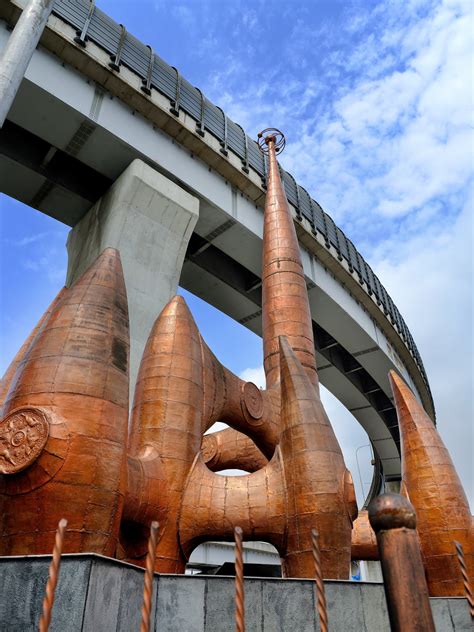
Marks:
<point>148,583</point>
<point>239,582</point>
<point>48,601</point>
<point>393,519</point>
<point>320,594</point>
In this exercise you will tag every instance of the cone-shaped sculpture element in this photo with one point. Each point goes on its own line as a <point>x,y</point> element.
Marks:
<point>18,360</point>
<point>167,420</point>
<point>431,482</point>
<point>63,431</point>
<point>181,390</point>
<point>285,309</point>
<point>319,486</point>
<point>364,542</point>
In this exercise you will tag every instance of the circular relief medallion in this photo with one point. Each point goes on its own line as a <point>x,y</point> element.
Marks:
<point>23,435</point>
<point>253,400</point>
<point>209,448</point>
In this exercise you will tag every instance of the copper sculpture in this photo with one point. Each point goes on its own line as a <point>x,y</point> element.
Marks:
<point>6,381</point>
<point>228,449</point>
<point>148,582</point>
<point>285,306</point>
<point>431,483</point>
<point>64,436</point>
<point>239,582</point>
<point>182,390</point>
<point>65,440</point>
<point>319,584</point>
<point>364,542</point>
<point>53,573</point>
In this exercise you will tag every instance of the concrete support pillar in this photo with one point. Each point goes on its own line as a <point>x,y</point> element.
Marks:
<point>150,220</point>
<point>20,47</point>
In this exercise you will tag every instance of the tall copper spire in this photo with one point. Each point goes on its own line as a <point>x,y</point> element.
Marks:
<point>319,487</point>
<point>430,480</point>
<point>285,299</point>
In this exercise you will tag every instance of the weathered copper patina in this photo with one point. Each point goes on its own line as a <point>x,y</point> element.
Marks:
<point>364,542</point>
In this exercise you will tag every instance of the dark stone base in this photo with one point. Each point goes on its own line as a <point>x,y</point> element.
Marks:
<point>97,594</point>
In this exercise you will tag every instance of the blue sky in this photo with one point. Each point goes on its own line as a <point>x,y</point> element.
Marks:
<point>375,101</point>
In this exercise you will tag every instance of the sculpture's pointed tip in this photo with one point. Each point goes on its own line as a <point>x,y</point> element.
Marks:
<point>178,308</point>
<point>110,252</point>
<point>106,270</point>
<point>430,481</point>
<point>97,302</point>
<point>403,396</point>
<point>293,371</point>
<point>179,302</point>
<point>285,348</point>
<point>108,257</point>
<point>395,379</point>
<point>102,284</point>
<point>173,327</point>
<point>8,377</point>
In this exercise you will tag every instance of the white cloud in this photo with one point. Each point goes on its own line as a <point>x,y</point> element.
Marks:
<point>431,280</point>
<point>30,239</point>
<point>257,376</point>
<point>354,442</point>
<point>219,425</point>
<point>47,265</point>
<point>384,129</point>
<point>183,14</point>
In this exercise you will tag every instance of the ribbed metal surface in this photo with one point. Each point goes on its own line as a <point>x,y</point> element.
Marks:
<point>104,32</point>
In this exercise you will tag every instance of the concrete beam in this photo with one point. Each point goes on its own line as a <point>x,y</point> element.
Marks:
<point>149,220</point>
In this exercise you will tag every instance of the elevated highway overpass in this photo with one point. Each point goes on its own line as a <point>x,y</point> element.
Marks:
<point>95,100</point>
